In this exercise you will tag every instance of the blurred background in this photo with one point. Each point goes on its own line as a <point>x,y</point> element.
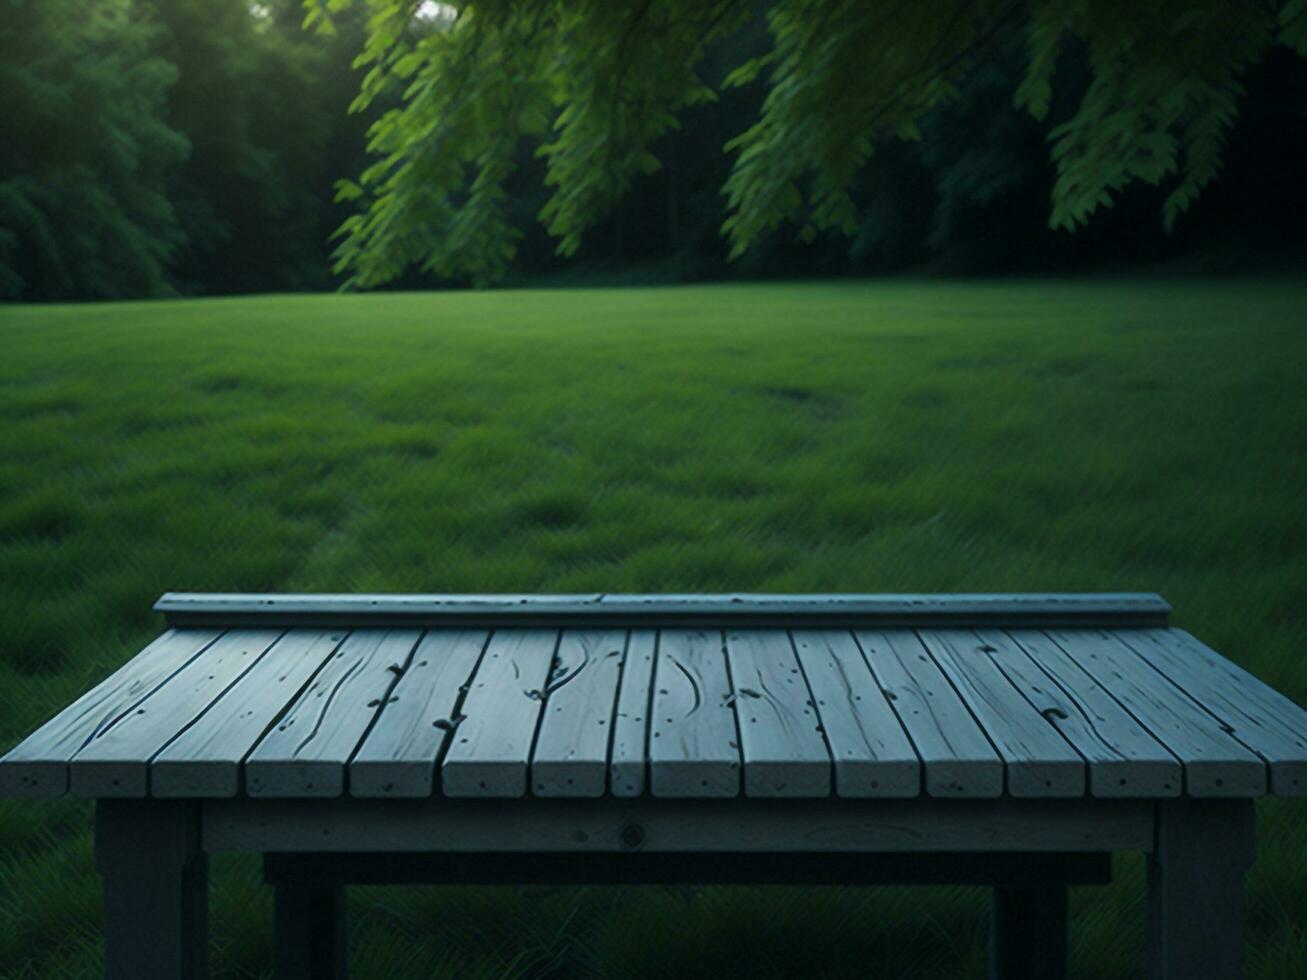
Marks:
<point>202,139</point>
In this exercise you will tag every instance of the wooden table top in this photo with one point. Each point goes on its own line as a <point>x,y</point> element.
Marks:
<point>980,696</point>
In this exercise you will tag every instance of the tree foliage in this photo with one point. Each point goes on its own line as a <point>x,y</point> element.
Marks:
<point>594,84</point>
<point>150,147</point>
<point>246,98</point>
<point>85,152</point>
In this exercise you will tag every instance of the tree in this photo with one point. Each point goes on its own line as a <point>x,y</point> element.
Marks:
<point>150,147</point>
<point>595,83</point>
<point>250,99</point>
<point>84,152</point>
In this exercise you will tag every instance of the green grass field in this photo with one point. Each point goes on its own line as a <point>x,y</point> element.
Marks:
<point>856,437</point>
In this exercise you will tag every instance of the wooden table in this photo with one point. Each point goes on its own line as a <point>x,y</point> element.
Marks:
<point>1010,740</point>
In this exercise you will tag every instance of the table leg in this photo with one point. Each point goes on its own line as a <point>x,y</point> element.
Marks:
<point>155,889</point>
<point>1202,850</point>
<point>310,933</point>
<point>1027,934</point>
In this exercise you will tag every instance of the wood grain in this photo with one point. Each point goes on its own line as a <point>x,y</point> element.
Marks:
<point>630,763</point>
<point>1215,764</point>
<point>1124,759</point>
<point>38,766</point>
<point>872,753</point>
<point>492,747</point>
<point>957,758</point>
<point>1039,761</point>
<point>399,755</point>
<point>116,761</point>
<point>1256,714</point>
<point>205,759</point>
<point>306,752</point>
<point>694,744</point>
<point>784,750</point>
<point>576,726</point>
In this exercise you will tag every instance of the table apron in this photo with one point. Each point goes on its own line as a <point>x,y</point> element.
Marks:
<point>669,826</point>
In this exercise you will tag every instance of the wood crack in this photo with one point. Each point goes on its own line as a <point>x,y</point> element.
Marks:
<point>322,712</point>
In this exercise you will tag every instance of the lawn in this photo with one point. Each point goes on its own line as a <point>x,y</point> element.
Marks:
<point>1112,435</point>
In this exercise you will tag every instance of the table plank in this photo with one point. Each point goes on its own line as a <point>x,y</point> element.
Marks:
<point>957,757</point>
<point>205,760</point>
<point>399,755</point>
<point>531,826</point>
<point>1214,763</point>
<point>694,743</point>
<point>1124,759</point>
<point>873,754</point>
<point>571,750</point>
<point>629,765</point>
<point>785,753</point>
<point>610,610</point>
<point>490,751</point>
<point>305,753</point>
<point>1253,712</point>
<point>1039,761</point>
<point>116,762</point>
<point>38,766</point>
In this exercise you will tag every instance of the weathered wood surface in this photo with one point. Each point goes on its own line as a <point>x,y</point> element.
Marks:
<point>678,825</point>
<point>629,766</point>
<point>576,727</point>
<point>305,753</point>
<point>155,872</point>
<point>38,766</point>
<point>492,747</point>
<point>399,755</point>
<point>781,737</point>
<point>1256,714</point>
<point>205,759</point>
<point>1196,902</point>
<point>1038,760</point>
<point>872,753</point>
<point>1215,764</point>
<point>801,709</point>
<point>115,762</point>
<point>957,756</point>
<point>694,745</point>
<point>1124,759</point>
<point>1010,869</point>
<point>731,609</point>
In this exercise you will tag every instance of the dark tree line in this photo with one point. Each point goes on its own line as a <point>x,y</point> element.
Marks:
<point>971,197</point>
<point>164,147</point>
<point>159,147</point>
